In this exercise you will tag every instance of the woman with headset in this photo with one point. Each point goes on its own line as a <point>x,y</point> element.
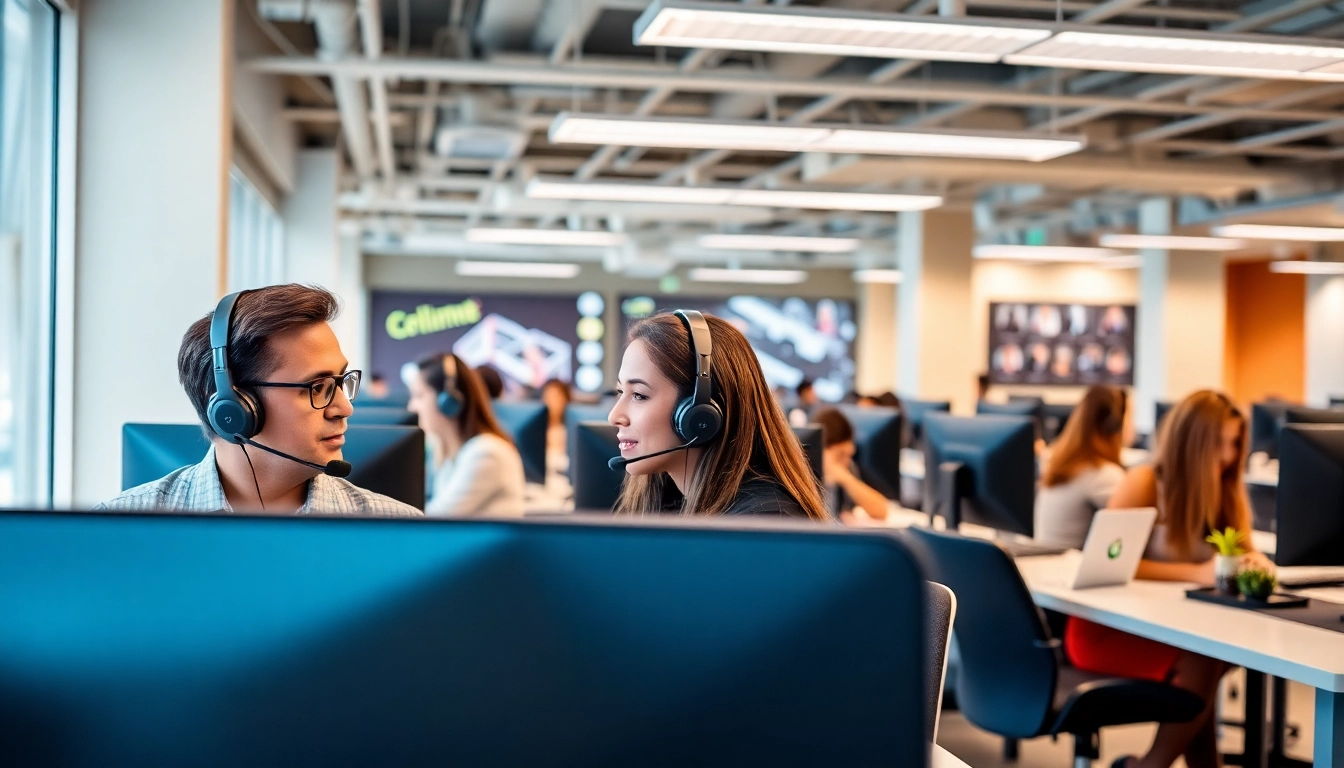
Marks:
<point>699,431</point>
<point>477,469</point>
<point>1084,467</point>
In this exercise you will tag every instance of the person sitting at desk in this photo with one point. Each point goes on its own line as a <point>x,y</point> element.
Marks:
<point>477,469</point>
<point>1083,469</point>
<point>698,428</point>
<point>264,370</point>
<point>844,489</point>
<point>556,396</point>
<point>1195,484</point>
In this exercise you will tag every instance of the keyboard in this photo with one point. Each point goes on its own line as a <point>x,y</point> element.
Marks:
<point>1311,575</point>
<point>1025,548</point>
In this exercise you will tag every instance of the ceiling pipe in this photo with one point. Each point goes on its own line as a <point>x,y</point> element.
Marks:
<point>371,29</point>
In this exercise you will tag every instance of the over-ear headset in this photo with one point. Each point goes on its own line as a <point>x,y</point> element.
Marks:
<point>697,418</point>
<point>234,414</point>
<point>450,399</point>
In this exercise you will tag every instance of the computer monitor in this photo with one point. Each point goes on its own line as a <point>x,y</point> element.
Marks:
<point>1266,418</point>
<point>1026,406</point>
<point>1310,508</point>
<point>575,413</point>
<point>387,459</point>
<point>1054,417</point>
<point>877,440</point>
<point>1292,415</point>
<point>981,470</point>
<point>597,486</point>
<point>240,640</point>
<point>1160,409</point>
<point>526,423</point>
<point>912,414</point>
<point>1337,402</point>
<point>383,416</point>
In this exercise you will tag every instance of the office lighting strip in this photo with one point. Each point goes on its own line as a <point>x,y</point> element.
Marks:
<point>778,243</point>
<point>570,128</point>
<point>1281,232</point>
<point>683,23</point>
<point>770,198</point>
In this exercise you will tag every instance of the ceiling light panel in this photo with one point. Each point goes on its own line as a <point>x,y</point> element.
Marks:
<point>771,198</point>
<point>878,276</point>
<point>1059,253</point>
<point>757,276</point>
<point>550,270</point>
<point>1172,242</point>
<point>1151,51</point>
<point>562,237</point>
<point>805,30</point>
<point>570,128</point>
<point>778,243</point>
<point>1277,232</point>
<point>1308,267</point>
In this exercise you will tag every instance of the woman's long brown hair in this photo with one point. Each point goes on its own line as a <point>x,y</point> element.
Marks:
<point>1194,495</point>
<point>476,416</point>
<point>755,440</point>
<point>1092,437</point>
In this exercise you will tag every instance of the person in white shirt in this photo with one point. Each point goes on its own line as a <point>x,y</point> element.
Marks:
<point>1084,467</point>
<point>476,468</point>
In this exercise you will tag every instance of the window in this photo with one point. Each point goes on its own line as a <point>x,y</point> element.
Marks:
<point>27,230</point>
<point>256,237</point>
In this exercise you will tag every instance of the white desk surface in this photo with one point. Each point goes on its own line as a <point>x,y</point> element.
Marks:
<point>941,758</point>
<point>1160,611</point>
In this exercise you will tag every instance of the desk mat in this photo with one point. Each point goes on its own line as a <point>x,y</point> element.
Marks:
<point>1316,613</point>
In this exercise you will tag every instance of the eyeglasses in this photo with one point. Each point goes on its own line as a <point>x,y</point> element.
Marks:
<point>322,390</point>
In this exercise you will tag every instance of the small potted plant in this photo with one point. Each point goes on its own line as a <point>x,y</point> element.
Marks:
<point>1256,583</point>
<point>1230,549</point>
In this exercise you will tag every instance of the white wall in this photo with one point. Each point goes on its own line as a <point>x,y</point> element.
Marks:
<point>154,153</point>
<point>875,353</point>
<point>1325,339</point>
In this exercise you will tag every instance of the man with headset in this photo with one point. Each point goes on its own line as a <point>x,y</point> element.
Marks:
<point>264,371</point>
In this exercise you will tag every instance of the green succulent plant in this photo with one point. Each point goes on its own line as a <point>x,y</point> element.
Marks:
<point>1256,582</point>
<point>1227,542</point>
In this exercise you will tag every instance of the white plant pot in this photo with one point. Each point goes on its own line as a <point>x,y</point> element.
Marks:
<point>1225,573</point>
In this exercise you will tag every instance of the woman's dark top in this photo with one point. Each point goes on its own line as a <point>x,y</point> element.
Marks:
<point>761,496</point>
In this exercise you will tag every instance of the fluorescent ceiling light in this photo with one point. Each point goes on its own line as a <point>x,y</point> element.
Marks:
<point>772,198</point>
<point>1120,262</point>
<point>1061,253</point>
<point>689,133</point>
<point>1184,53</point>
<point>546,237</point>
<point>827,31</point>
<point>1172,242</point>
<point>517,269</point>
<point>1277,232</point>
<point>778,243</point>
<point>888,276</point>
<point>760,276</point>
<point>1308,267</point>
<point>689,24</point>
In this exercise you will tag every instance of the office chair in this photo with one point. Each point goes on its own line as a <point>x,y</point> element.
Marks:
<point>1012,680</point>
<point>942,614</point>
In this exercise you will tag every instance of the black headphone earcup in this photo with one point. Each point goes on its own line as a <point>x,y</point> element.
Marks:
<point>698,422</point>
<point>450,405</point>
<point>235,415</point>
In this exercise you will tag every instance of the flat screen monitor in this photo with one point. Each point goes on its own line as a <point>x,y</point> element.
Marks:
<point>1266,419</point>
<point>913,412</point>
<point>576,413</point>
<point>1025,406</point>
<point>597,486</point>
<point>1061,344</point>
<point>387,459</point>
<point>877,443</point>
<point>981,470</point>
<point>1054,417</point>
<point>1160,410</point>
<point>382,415</point>
<point>526,423</point>
<point>1337,402</point>
<point>238,640</point>
<point>1310,506</point>
<point>1293,415</point>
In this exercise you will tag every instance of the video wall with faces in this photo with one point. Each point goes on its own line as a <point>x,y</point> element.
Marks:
<point>528,339</point>
<point>794,338</point>
<point>1061,344</point>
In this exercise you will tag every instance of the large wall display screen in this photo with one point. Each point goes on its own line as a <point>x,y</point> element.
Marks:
<point>529,339</point>
<point>1061,344</point>
<point>794,338</point>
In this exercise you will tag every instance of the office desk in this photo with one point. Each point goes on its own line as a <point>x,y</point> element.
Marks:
<point>1160,611</point>
<point>941,758</point>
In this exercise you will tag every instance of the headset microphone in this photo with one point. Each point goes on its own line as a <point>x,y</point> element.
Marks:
<point>335,467</point>
<point>618,463</point>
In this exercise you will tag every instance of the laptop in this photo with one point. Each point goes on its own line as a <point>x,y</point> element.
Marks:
<point>1114,546</point>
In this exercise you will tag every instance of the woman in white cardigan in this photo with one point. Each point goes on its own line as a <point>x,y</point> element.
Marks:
<point>477,469</point>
